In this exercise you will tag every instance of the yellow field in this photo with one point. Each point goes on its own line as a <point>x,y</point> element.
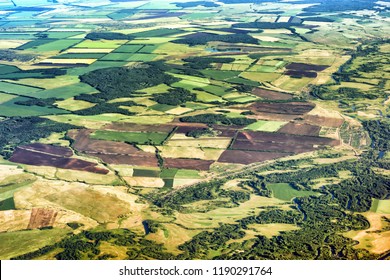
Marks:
<point>14,220</point>
<point>9,170</point>
<point>291,84</point>
<point>261,77</point>
<point>268,230</point>
<point>190,152</point>
<point>146,182</point>
<point>178,183</point>
<point>51,83</point>
<point>370,239</point>
<point>179,111</point>
<point>74,105</point>
<point>44,171</point>
<point>11,44</point>
<point>86,177</point>
<point>79,202</point>
<point>81,50</point>
<point>217,143</point>
<point>72,61</point>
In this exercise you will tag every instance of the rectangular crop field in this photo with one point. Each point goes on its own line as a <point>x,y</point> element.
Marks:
<point>284,191</point>
<point>154,138</point>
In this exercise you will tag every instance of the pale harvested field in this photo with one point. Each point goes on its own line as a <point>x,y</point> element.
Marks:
<point>376,243</point>
<point>171,236</point>
<point>212,218</point>
<point>74,105</point>
<point>217,143</point>
<point>145,182</point>
<point>98,204</point>
<point>190,152</point>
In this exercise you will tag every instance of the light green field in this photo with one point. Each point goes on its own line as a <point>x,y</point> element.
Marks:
<point>192,78</point>
<point>156,89</point>
<point>268,126</point>
<point>18,89</point>
<point>142,57</point>
<point>117,56</point>
<point>64,92</point>
<point>101,44</point>
<point>380,206</point>
<point>207,97</point>
<point>128,48</point>
<point>285,192</point>
<point>17,243</point>
<point>260,77</point>
<point>58,45</point>
<point>5,97</point>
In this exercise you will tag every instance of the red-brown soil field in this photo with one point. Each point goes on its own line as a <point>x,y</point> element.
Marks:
<point>41,218</point>
<point>29,157</point>
<point>248,157</point>
<point>289,108</point>
<point>270,94</point>
<point>301,129</point>
<point>196,164</point>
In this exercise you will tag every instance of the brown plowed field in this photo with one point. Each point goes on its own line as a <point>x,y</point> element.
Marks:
<point>84,144</point>
<point>41,218</point>
<point>301,129</point>
<point>149,161</point>
<point>188,128</point>
<point>49,149</point>
<point>270,94</point>
<point>297,73</point>
<point>196,164</point>
<point>324,121</point>
<point>42,159</point>
<point>294,148</point>
<point>132,127</point>
<point>248,157</point>
<point>306,67</point>
<point>290,108</point>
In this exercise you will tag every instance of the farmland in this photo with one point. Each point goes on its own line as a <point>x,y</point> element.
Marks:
<point>194,130</point>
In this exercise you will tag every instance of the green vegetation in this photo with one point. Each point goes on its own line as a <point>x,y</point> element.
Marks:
<point>108,36</point>
<point>217,119</point>
<point>10,55</point>
<point>203,38</point>
<point>123,81</point>
<point>286,192</point>
<point>17,131</point>
<point>88,245</point>
<point>175,96</point>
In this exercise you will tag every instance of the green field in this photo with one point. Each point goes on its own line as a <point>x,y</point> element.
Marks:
<point>285,192</point>
<point>22,242</point>
<point>58,45</point>
<point>128,48</point>
<point>10,109</point>
<point>154,173</point>
<point>220,75</point>
<point>142,57</point>
<point>154,138</point>
<point>268,126</point>
<point>18,89</point>
<point>117,56</point>
<point>66,91</point>
<point>380,206</point>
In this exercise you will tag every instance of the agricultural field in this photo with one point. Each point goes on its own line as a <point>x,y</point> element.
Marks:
<point>194,130</point>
